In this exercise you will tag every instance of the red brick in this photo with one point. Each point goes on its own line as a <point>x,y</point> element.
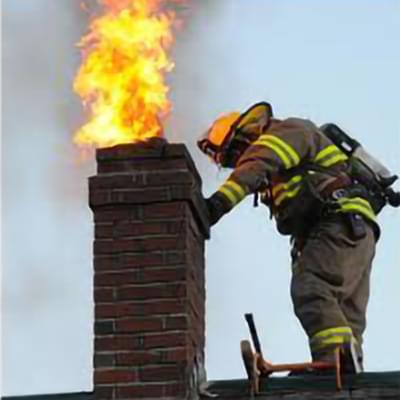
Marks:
<point>137,358</point>
<point>141,165</point>
<point>134,196</point>
<point>118,262</point>
<point>112,376</point>
<point>131,261</point>
<point>138,325</point>
<point>162,373</point>
<point>174,257</point>
<point>105,230</point>
<point>139,308</point>
<point>164,210</point>
<point>176,389</point>
<point>173,355</point>
<point>140,179</point>
<point>176,323</point>
<point>104,294</point>
<point>99,197</point>
<point>140,342</point>
<point>148,228</point>
<point>104,327</point>
<point>104,392</point>
<point>175,339</point>
<point>115,343</point>
<point>114,310</point>
<point>169,177</point>
<point>103,246</point>
<point>154,148</point>
<point>120,213</point>
<point>101,182</point>
<point>148,259</point>
<point>162,307</point>
<point>158,291</point>
<point>104,360</point>
<point>151,275</point>
<point>140,391</point>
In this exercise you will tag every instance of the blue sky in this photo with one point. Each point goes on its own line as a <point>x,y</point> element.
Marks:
<point>323,60</point>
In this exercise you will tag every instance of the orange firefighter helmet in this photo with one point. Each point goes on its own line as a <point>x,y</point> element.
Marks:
<point>231,134</point>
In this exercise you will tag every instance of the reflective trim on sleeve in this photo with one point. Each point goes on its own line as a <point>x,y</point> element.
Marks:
<point>284,151</point>
<point>287,190</point>
<point>329,156</point>
<point>286,185</point>
<point>357,205</point>
<point>334,160</point>
<point>287,195</point>
<point>327,151</point>
<point>331,336</point>
<point>233,192</point>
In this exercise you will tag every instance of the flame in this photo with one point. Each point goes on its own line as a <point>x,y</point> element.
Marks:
<point>122,77</point>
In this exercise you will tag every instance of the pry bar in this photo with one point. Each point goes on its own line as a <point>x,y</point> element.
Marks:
<point>253,332</point>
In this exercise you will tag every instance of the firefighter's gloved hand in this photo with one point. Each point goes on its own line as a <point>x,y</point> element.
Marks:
<point>217,207</point>
<point>377,203</point>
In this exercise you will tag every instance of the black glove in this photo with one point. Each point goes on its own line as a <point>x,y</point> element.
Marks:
<point>393,197</point>
<point>377,203</point>
<point>217,206</point>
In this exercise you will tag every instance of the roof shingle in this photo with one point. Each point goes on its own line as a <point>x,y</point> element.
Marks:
<point>366,386</point>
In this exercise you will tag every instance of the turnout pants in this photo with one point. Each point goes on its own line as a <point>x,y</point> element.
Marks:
<point>330,285</point>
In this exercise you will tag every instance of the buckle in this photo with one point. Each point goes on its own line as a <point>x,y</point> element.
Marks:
<point>338,194</point>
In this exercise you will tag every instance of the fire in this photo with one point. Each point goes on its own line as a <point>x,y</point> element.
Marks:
<point>122,77</point>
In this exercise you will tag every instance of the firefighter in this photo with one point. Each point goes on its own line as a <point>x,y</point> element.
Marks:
<point>302,177</point>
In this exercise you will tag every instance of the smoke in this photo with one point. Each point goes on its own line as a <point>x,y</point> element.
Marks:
<point>228,55</point>
<point>47,225</point>
<point>46,310</point>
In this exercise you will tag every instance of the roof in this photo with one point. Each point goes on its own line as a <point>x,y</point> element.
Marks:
<point>365,386</point>
<point>371,385</point>
<point>63,396</point>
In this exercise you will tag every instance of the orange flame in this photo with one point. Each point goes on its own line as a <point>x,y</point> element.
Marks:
<point>121,80</point>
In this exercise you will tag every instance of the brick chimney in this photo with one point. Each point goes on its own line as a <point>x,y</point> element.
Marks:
<point>150,228</point>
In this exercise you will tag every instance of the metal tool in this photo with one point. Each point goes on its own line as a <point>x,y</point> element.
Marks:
<point>257,367</point>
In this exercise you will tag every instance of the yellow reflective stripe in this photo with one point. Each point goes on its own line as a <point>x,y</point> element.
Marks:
<point>286,185</point>
<point>358,205</point>
<point>282,156</point>
<point>326,151</point>
<point>233,191</point>
<point>338,335</point>
<point>236,188</point>
<point>286,195</point>
<point>330,341</point>
<point>357,200</point>
<point>293,154</point>
<point>330,331</point>
<point>285,152</point>
<point>358,209</point>
<point>330,155</point>
<point>231,197</point>
<point>330,161</point>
